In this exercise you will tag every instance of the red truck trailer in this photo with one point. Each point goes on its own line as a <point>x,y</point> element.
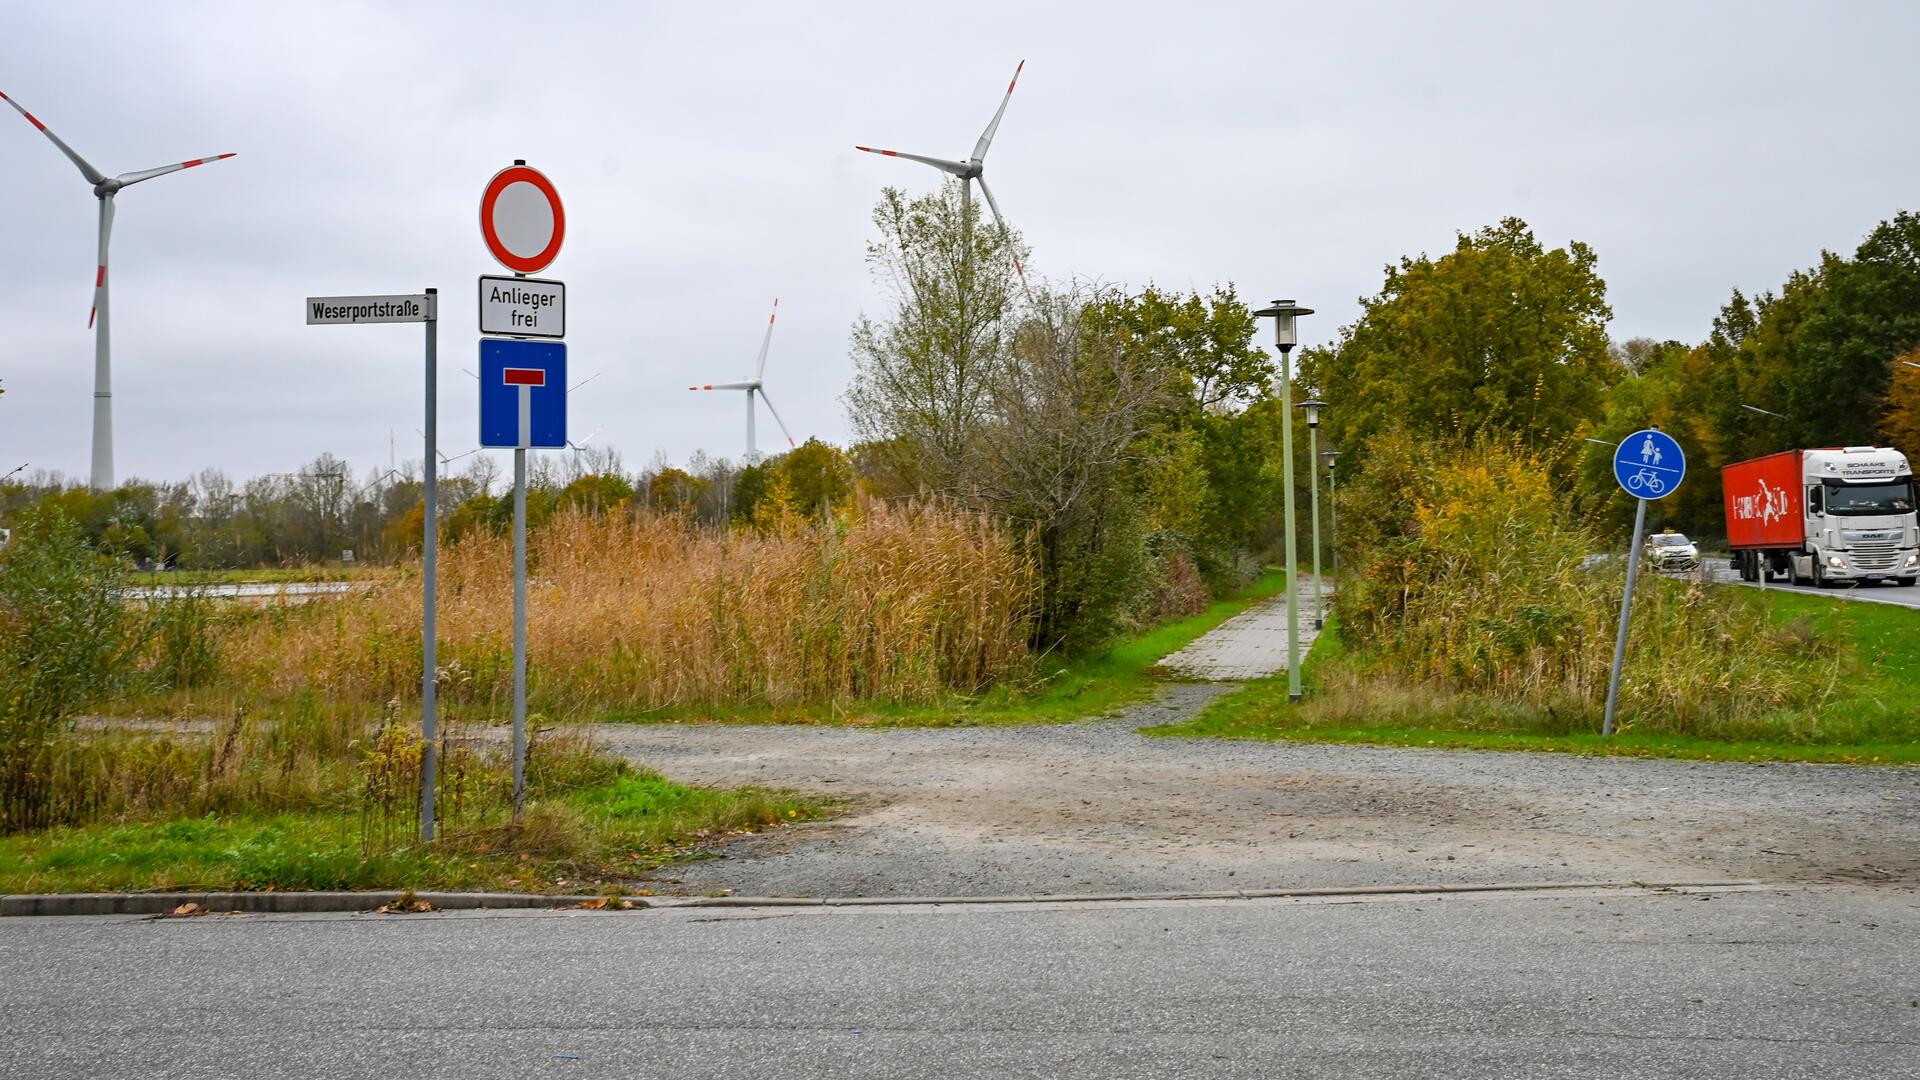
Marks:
<point>1840,514</point>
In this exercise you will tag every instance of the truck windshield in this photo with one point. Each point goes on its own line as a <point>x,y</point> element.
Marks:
<point>1859,500</point>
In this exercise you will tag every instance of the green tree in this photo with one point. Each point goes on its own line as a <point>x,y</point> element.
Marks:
<point>924,376</point>
<point>1500,335</point>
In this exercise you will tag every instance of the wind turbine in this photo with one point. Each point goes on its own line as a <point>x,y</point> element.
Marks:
<point>104,188</point>
<point>972,170</point>
<point>755,386</point>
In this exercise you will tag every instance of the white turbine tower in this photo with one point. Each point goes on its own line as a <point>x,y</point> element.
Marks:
<point>104,188</point>
<point>754,386</point>
<point>973,170</point>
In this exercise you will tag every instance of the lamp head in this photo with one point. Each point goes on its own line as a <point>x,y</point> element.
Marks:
<point>1330,454</point>
<point>1314,406</point>
<point>1283,313</point>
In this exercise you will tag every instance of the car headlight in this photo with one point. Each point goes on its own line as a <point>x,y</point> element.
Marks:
<point>1837,562</point>
<point>1913,558</point>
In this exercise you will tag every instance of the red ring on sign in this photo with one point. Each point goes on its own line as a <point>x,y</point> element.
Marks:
<point>521,174</point>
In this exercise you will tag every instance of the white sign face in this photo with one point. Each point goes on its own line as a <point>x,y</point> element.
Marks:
<point>523,307</point>
<point>329,310</point>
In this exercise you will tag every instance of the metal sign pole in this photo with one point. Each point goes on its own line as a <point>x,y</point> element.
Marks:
<point>1626,612</point>
<point>520,626</point>
<point>429,548</point>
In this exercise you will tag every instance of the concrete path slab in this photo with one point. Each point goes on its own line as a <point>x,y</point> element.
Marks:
<point>1251,645</point>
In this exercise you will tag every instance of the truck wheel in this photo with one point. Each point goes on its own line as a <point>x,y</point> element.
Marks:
<point>1820,576</point>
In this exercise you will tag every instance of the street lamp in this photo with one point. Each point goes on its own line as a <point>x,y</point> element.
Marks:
<point>1329,455</point>
<point>1284,313</point>
<point>1314,406</point>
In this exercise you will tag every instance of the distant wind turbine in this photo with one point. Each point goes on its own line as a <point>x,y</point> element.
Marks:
<point>104,189</point>
<point>972,170</point>
<point>754,386</point>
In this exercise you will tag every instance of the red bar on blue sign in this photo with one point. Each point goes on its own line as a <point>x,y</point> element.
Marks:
<point>524,376</point>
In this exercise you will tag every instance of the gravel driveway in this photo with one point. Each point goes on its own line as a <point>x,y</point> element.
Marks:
<point>1094,807</point>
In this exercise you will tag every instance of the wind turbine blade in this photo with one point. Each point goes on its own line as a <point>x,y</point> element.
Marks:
<point>100,274</point>
<point>986,137</point>
<point>776,416</point>
<point>954,167</point>
<point>1002,223</point>
<point>728,386</point>
<point>87,170</point>
<point>760,368</point>
<point>148,174</point>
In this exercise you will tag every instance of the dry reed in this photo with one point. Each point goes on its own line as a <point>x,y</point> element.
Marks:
<point>636,610</point>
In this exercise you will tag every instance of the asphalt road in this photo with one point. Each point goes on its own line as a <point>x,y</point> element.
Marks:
<point>1722,573</point>
<point>1799,982</point>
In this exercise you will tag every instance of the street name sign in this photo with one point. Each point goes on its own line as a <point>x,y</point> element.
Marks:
<point>521,219</point>
<point>523,393</point>
<point>523,307</point>
<point>342,310</point>
<point>1649,464</point>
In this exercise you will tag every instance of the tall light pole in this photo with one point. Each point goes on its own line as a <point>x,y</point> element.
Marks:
<point>1314,405</point>
<point>1330,455</point>
<point>1285,337</point>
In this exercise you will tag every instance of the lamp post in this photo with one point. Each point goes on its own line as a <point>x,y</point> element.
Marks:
<point>1314,405</point>
<point>1330,455</point>
<point>1284,313</point>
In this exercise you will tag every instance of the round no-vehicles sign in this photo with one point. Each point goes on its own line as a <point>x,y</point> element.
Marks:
<point>522,220</point>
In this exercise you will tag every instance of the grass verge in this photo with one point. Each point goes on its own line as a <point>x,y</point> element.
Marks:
<point>587,840</point>
<point>1871,717</point>
<point>1065,690</point>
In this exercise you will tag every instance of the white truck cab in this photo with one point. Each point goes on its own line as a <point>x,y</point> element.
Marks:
<point>1858,506</point>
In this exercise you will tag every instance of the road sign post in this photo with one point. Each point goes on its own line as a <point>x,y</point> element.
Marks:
<point>523,383</point>
<point>1647,464</point>
<point>523,404</point>
<point>420,308</point>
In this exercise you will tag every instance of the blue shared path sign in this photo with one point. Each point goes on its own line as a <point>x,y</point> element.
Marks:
<point>1649,464</point>
<point>523,393</point>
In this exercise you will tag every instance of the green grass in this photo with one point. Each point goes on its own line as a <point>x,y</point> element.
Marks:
<point>1065,690</point>
<point>585,840</point>
<point>1872,717</point>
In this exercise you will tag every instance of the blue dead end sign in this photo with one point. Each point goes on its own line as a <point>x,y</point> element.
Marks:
<point>523,393</point>
<point>1649,464</point>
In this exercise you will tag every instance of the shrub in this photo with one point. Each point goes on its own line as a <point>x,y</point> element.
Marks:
<point>66,640</point>
<point>1474,578</point>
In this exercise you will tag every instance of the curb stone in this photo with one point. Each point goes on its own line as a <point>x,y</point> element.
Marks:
<point>48,904</point>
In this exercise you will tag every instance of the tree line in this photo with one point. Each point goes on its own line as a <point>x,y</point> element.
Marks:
<point>1503,336</point>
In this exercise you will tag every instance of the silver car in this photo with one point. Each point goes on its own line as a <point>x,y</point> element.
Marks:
<point>1672,551</point>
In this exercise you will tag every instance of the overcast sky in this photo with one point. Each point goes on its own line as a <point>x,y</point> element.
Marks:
<point>705,156</point>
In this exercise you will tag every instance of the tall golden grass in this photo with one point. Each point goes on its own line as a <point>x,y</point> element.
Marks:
<point>640,610</point>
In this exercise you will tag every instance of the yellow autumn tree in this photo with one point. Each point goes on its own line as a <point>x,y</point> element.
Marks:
<point>1900,409</point>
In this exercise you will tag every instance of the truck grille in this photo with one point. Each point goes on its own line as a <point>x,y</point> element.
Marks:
<point>1881,556</point>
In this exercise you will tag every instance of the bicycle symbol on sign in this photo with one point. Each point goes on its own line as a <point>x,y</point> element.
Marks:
<point>1648,479</point>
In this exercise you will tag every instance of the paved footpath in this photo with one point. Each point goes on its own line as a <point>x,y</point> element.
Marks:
<point>1251,645</point>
